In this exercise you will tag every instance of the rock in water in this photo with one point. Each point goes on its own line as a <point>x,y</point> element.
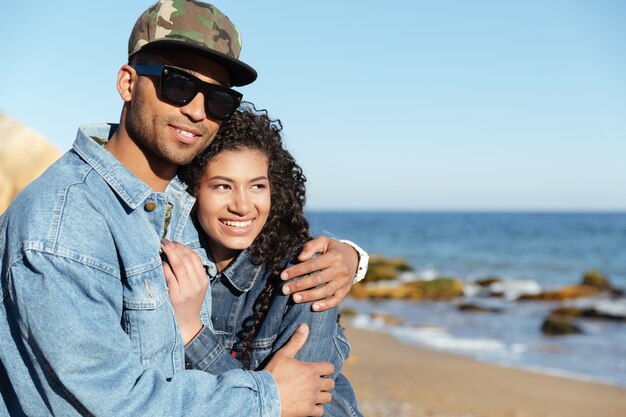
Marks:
<point>557,325</point>
<point>381,268</point>
<point>24,155</point>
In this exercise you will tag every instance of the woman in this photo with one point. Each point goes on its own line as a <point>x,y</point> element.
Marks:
<point>250,198</point>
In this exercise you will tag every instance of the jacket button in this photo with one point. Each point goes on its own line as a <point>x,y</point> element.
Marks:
<point>150,206</point>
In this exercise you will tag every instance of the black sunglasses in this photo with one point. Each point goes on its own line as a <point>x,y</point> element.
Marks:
<point>179,88</point>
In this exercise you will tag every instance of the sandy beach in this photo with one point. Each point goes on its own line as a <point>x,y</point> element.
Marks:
<point>394,379</point>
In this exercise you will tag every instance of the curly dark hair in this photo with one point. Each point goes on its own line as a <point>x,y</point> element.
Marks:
<point>286,228</point>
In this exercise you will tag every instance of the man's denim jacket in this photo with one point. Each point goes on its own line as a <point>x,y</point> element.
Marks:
<point>86,324</point>
<point>234,292</point>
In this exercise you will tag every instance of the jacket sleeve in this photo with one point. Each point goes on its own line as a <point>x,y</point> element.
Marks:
<point>68,318</point>
<point>326,343</point>
<point>206,352</point>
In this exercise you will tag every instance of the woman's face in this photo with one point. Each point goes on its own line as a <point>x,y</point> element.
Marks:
<point>233,201</point>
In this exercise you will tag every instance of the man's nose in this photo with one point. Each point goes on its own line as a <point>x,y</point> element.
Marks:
<point>194,110</point>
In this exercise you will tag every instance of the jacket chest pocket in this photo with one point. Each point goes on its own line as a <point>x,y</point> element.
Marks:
<point>148,318</point>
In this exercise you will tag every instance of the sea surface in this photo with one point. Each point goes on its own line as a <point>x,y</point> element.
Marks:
<point>529,252</point>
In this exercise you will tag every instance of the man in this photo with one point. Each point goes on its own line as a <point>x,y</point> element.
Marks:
<point>86,326</point>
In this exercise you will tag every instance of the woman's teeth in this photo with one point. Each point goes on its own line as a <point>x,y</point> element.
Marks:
<point>237,224</point>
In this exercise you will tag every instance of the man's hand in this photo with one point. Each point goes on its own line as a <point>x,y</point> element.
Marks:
<point>332,273</point>
<point>302,386</point>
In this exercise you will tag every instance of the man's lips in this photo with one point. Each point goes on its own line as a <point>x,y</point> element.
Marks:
<point>186,135</point>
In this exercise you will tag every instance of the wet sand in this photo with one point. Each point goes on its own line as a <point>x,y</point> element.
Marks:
<point>394,379</point>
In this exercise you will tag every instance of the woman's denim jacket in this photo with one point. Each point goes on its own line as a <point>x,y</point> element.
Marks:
<point>234,292</point>
<point>86,323</point>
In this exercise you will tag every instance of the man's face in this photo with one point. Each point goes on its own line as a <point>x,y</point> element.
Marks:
<point>167,133</point>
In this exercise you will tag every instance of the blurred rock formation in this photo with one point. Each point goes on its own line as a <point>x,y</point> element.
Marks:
<point>24,155</point>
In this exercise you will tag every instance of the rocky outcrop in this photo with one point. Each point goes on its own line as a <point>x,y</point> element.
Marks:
<point>477,308</point>
<point>597,280</point>
<point>436,289</point>
<point>557,325</point>
<point>24,155</point>
<point>593,283</point>
<point>381,268</point>
<point>588,313</point>
<point>384,280</point>
<point>570,291</point>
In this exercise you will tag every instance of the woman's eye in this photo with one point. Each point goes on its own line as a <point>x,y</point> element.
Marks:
<point>259,186</point>
<point>221,187</point>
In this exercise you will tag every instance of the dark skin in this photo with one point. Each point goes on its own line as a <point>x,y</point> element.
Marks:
<point>155,164</point>
<point>150,144</point>
<point>331,273</point>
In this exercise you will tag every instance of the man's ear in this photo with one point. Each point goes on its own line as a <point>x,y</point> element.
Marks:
<point>126,78</point>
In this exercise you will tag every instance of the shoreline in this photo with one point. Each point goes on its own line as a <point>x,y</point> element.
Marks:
<point>394,378</point>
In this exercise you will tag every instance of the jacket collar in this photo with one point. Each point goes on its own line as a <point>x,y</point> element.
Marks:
<point>241,273</point>
<point>126,185</point>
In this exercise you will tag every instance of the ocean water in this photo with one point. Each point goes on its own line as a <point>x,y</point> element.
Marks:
<point>529,251</point>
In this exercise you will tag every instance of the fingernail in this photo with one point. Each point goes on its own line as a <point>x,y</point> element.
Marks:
<point>316,307</point>
<point>165,242</point>
<point>301,328</point>
<point>297,298</point>
<point>284,275</point>
<point>286,290</point>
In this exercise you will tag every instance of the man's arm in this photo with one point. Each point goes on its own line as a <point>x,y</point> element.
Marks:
<point>329,276</point>
<point>68,315</point>
<point>326,343</point>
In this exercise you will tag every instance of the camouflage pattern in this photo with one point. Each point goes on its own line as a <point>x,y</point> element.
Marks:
<point>190,24</point>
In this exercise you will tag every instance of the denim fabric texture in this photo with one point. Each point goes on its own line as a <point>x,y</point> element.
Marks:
<point>234,292</point>
<point>86,324</point>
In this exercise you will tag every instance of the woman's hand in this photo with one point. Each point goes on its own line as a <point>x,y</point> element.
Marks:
<point>187,283</point>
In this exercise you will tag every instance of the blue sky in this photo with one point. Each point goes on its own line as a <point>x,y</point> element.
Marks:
<point>399,105</point>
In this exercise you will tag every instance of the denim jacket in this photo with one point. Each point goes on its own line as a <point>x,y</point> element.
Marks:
<point>86,324</point>
<point>234,292</point>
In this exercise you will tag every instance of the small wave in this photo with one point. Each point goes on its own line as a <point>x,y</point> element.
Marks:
<point>427,273</point>
<point>610,306</point>
<point>561,373</point>
<point>364,321</point>
<point>511,289</point>
<point>439,339</point>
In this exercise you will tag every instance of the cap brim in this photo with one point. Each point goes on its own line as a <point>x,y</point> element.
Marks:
<point>240,72</point>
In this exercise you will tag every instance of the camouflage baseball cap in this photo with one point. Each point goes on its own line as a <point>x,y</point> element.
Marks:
<point>195,26</point>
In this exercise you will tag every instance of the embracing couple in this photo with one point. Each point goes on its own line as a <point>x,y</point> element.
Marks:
<point>131,287</point>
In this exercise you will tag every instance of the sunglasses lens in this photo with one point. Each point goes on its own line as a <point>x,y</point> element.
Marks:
<point>178,89</point>
<point>220,104</point>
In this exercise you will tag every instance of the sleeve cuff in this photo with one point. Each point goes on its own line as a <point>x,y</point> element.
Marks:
<point>206,350</point>
<point>364,258</point>
<point>268,390</point>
